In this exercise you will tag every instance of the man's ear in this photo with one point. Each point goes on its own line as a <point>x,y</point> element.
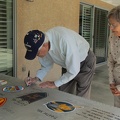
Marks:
<point>46,44</point>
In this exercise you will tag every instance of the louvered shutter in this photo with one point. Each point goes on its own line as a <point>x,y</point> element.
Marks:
<point>86,22</point>
<point>5,35</point>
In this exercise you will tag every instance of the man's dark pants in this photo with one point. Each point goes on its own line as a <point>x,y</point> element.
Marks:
<point>81,84</point>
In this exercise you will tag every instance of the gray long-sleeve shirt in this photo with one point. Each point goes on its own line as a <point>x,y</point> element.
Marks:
<point>114,58</point>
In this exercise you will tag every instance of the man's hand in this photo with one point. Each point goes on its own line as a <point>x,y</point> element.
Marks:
<point>114,90</point>
<point>29,81</point>
<point>47,84</point>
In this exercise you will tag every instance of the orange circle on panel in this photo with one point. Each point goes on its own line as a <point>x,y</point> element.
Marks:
<point>2,101</point>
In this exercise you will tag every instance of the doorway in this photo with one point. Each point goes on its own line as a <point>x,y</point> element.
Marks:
<point>94,28</point>
<point>100,35</point>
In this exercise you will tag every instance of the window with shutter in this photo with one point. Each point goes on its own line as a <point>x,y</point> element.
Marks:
<point>6,36</point>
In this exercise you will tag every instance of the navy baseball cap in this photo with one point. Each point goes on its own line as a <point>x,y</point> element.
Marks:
<point>32,41</point>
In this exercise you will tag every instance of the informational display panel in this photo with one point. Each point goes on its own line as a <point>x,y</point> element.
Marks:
<point>19,102</point>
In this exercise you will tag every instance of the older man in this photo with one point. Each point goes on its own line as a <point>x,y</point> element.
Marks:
<point>68,49</point>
